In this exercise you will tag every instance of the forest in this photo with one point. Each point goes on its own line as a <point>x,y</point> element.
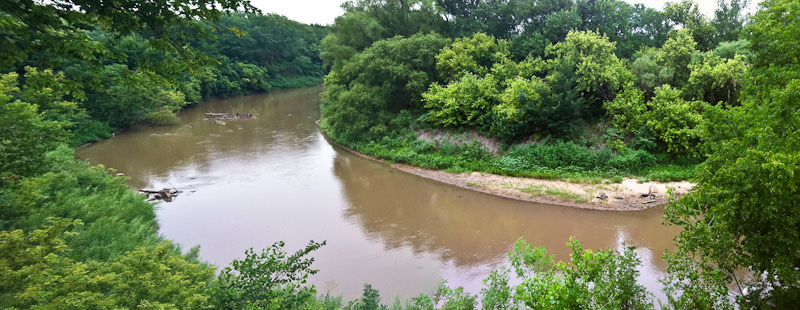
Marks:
<point>573,90</point>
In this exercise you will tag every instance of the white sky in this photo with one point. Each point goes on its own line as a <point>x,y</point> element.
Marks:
<point>323,12</point>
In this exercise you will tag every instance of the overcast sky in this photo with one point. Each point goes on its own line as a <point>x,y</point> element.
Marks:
<point>324,11</point>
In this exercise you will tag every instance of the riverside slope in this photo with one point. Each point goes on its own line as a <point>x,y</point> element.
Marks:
<point>629,195</point>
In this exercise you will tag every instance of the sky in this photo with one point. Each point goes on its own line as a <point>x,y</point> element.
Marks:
<point>323,12</point>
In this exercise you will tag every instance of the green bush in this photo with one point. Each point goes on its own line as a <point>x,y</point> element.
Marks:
<point>632,161</point>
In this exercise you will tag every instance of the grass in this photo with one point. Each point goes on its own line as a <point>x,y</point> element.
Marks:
<point>563,194</point>
<point>541,190</point>
<point>555,161</point>
<point>670,173</point>
<point>534,190</point>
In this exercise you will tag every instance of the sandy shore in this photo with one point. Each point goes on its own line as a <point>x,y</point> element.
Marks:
<point>625,196</point>
<point>630,195</point>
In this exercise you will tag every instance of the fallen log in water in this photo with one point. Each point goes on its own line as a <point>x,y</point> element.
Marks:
<point>166,194</point>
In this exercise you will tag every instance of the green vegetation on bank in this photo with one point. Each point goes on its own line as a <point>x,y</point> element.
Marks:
<point>584,96</point>
<point>572,89</point>
<point>98,75</point>
<point>593,90</point>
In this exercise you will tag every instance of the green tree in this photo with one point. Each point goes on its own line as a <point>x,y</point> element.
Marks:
<point>676,54</point>
<point>476,55</point>
<point>716,80</point>
<point>365,94</point>
<point>500,19</point>
<point>271,279</point>
<point>600,73</point>
<point>627,112</point>
<point>674,121</point>
<point>25,136</point>
<point>648,71</point>
<point>604,279</point>
<point>687,15</point>
<point>729,49</point>
<point>552,28</point>
<point>466,102</point>
<point>134,96</point>
<point>444,298</point>
<point>57,29</point>
<point>367,21</point>
<point>742,215</point>
<point>37,274</point>
<point>649,27</point>
<point>370,300</point>
<point>729,19</point>
<point>521,109</point>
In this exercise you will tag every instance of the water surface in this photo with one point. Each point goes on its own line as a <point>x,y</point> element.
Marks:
<point>249,183</point>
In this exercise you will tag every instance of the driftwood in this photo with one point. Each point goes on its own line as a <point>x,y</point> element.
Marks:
<point>166,194</point>
<point>228,116</point>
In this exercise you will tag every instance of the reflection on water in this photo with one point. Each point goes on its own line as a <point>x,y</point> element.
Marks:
<point>249,183</point>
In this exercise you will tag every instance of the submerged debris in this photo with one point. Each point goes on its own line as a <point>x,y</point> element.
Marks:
<point>166,194</point>
<point>228,116</point>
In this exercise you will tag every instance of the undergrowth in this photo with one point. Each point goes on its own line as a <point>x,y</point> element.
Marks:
<point>551,160</point>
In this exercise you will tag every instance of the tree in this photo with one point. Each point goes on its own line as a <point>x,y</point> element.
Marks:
<point>742,214</point>
<point>649,72</point>
<point>500,19</point>
<point>729,19</point>
<point>730,49</point>
<point>466,102</point>
<point>676,54</point>
<point>628,111</point>
<point>551,29</point>
<point>37,274</point>
<point>134,96</point>
<point>50,27</point>
<point>600,73</point>
<point>25,136</point>
<point>649,27</point>
<point>716,80</point>
<point>366,93</point>
<point>475,55</point>
<point>687,15</point>
<point>267,280</point>
<point>358,113</point>
<point>367,21</point>
<point>605,279</point>
<point>521,109</point>
<point>674,121</point>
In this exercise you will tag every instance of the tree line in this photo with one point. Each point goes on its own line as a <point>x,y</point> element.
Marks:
<point>131,65</point>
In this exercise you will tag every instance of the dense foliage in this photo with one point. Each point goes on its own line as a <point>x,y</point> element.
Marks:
<point>72,235</point>
<point>573,89</point>
<point>110,66</point>
<point>743,214</point>
<point>605,88</point>
<point>604,75</point>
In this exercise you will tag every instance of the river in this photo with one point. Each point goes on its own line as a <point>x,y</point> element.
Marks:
<point>249,183</point>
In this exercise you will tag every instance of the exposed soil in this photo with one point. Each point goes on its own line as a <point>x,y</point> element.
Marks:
<point>626,196</point>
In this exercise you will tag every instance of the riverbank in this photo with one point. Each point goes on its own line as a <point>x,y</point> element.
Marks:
<point>628,195</point>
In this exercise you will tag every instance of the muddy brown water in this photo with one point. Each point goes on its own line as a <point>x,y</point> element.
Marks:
<point>249,183</point>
